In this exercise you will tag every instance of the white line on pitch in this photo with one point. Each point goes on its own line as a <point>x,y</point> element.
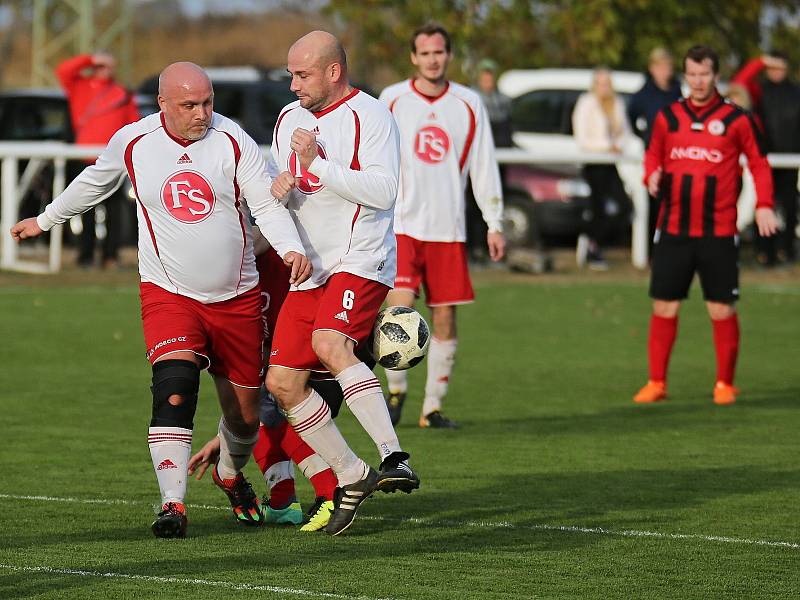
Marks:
<point>185,581</point>
<point>478,524</point>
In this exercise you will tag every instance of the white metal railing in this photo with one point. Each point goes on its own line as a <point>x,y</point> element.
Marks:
<point>38,153</point>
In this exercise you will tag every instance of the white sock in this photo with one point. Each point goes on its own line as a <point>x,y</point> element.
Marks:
<point>234,451</point>
<point>364,397</point>
<point>441,356</point>
<point>312,465</point>
<point>312,421</point>
<point>398,381</point>
<point>170,448</point>
<point>280,471</point>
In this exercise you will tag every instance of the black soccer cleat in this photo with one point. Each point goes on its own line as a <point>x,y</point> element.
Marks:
<point>395,474</point>
<point>436,420</point>
<point>347,499</point>
<point>171,521</point>
<point>395,405</point>
<point>244,502</point>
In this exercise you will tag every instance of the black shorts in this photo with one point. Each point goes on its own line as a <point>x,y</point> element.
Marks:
<point>676,259</point>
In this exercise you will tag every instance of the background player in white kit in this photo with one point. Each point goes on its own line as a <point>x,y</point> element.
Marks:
<point>338,152</point>
<point>445,136</point>
<point>201,306</point>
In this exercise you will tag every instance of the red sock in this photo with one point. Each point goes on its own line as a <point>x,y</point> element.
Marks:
<point>268,452</point>
<point>324,481</point>
<point>663,331</point>
<point>726,344</point>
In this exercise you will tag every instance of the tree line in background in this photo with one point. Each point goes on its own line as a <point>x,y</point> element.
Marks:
<point>515,33</point>
<point>562,33</point>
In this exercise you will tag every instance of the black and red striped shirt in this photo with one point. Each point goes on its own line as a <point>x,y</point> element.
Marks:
<point>699,148</point>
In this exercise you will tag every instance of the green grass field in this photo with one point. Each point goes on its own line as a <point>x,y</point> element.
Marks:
<point>556,486</point>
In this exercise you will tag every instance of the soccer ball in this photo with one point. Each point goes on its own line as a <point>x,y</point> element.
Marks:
<point>400,338</point>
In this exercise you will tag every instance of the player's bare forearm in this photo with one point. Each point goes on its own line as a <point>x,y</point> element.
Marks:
<point>27,228</point>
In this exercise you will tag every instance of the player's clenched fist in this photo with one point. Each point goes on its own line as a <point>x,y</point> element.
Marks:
<point>304,143</point>
<point>301,267</point>
<point>282,185</point>
<point>29,228</point>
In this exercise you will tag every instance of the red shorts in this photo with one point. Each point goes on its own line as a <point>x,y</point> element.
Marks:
<point>346,303</point>
<point>439,266</point>
<point>273,281</point>
<point>227,335</point>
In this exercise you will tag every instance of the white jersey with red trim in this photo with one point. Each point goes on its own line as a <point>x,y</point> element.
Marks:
<point>442,140</point>
<point>343,203</point>
<point>194,239</point>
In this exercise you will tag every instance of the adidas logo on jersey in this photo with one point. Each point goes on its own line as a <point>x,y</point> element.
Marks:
<point>431,116</point>
<point>166,464</point>
<point>342,316</point>
<point>315,131</point>
<point>184,159</point>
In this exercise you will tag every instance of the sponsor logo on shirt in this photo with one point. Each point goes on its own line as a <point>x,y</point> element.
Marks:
<point>188,197</point>
<point>431,144</point>
<point>184,159</point>
<point>696,153</point>
<point>306,182</point>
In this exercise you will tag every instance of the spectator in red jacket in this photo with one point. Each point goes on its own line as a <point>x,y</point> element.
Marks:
<point>98,106</point>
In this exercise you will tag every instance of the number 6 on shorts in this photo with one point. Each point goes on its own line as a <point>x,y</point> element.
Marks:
<point>347,299</point>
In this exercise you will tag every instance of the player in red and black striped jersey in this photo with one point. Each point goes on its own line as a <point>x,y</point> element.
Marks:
<point>692,166</point>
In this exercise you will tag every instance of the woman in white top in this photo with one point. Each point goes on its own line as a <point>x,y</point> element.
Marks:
<point>600,124</point>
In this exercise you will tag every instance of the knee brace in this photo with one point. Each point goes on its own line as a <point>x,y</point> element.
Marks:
<point>331,393</point>
<point>174,377</point>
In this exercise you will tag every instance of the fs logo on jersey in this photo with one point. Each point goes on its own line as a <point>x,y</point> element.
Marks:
<point>431,144</point>
<point>306,182</point>
<point>188,197</point>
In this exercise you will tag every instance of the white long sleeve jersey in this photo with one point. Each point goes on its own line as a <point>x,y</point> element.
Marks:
<point>442,141</point>
<point>343,203</point>
<point>194,239</point>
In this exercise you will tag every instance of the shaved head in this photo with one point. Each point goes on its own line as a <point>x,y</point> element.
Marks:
<point>318,66</point>
<point>182,76</point>
<point>321,49</point>
<point>186,99</point>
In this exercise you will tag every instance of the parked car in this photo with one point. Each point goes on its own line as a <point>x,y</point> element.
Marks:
<point>550,201</point>
<point>43,115</point>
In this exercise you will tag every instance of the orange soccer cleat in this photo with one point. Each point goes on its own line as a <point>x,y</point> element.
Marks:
<point>724,393</point>
<point>653,391</point>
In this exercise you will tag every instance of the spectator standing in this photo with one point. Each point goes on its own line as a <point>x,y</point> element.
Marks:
<point>498,107</point>
<point>99,106</point>
<point>779,109</point>
<point>600,124</point>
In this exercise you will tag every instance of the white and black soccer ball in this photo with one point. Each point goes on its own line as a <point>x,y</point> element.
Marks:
<point>400,338</point>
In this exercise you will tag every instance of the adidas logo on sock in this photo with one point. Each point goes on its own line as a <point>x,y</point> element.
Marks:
<point>166,464</point>
<point>342,316</point>
<point>184,159</point>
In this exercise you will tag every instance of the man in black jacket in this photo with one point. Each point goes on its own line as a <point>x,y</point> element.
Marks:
<point>661,89</point>
<point>780,113</point>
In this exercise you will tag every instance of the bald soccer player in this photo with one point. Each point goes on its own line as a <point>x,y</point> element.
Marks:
<point>338,152</point>
<point>201,306</point>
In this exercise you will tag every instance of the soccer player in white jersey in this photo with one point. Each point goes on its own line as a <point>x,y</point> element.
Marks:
<point>337,149</point>
<point>445,136</point>
<point>201,306</point>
